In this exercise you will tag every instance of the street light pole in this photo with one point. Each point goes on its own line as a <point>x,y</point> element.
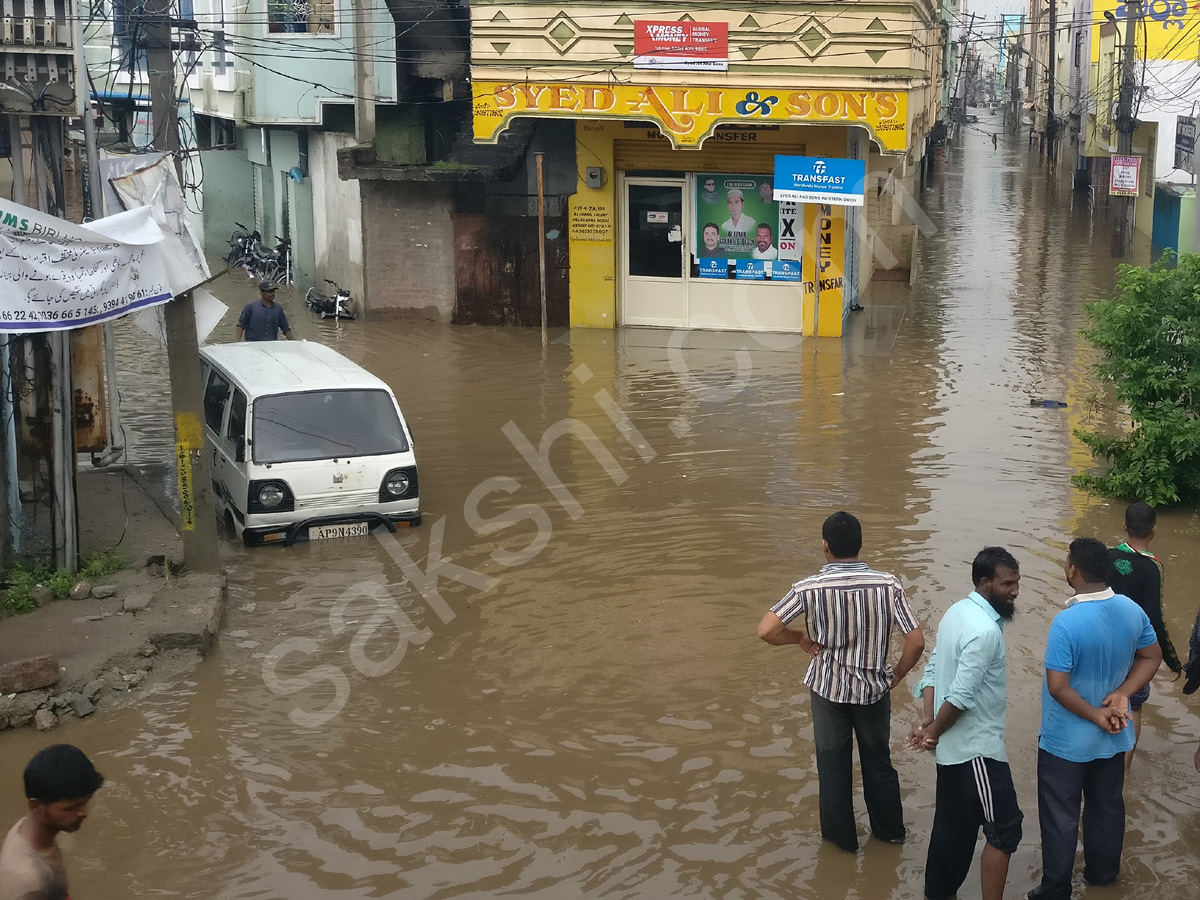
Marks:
<point>1124,207</point>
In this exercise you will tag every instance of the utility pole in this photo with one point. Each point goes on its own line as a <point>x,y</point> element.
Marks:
<point>1016,79</point>
<point>960,111</point>
<point>200,551</point>
<point>364,75</point>
<point>1051,122</point>
<point>1124,207</point>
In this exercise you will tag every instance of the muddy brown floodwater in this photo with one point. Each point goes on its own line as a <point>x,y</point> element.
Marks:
<point>601,720</point>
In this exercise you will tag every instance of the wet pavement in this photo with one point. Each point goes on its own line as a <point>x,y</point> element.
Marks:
<point>575,704</point>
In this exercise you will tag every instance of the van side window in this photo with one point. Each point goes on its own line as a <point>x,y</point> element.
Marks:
<point>215,395</point>
<point>236,432</point>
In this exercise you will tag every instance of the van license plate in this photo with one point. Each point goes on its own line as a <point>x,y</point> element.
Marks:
<point>350,529</point>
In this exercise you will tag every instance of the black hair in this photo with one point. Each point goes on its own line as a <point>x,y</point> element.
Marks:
<point>61,772</point>
<point>988,560</point>
<point>843,533</point>
<point>708,225</point>
<point>770,231</point>
<point>1090,557</point>
<point>1139,520</point>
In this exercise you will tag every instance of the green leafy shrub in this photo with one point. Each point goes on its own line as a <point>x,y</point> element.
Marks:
<point>1150,336</point>
<point>22,579</point>
<point>101,564</point>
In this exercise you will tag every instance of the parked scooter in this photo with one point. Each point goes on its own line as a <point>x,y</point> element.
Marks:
<point>336,306</point>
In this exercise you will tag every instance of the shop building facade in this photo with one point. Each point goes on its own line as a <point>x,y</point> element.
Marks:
<point>673,221</point>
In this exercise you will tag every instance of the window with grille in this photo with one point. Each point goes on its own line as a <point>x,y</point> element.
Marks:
<point>300,16</point>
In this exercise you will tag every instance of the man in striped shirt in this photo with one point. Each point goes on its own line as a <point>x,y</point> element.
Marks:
<point>850,611</point>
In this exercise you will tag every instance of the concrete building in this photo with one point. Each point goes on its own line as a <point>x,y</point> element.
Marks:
<point>660,153</point>
<point>1167,75</point>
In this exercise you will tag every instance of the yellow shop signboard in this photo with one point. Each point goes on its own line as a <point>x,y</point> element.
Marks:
<point>687,115</point>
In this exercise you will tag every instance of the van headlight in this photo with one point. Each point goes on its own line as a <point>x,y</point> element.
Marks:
<point>398,484</point>
<point>270,495</point>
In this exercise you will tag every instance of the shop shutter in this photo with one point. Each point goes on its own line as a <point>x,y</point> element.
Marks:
<point>721,153</point>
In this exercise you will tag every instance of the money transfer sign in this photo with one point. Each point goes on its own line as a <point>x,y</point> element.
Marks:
<point>681,45</point>
<point>58,275</point>
<point>809,179</point>
<point>1125,176</point>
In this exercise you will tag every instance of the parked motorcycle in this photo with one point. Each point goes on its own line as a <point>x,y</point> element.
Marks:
<point>336,306</point>
<point>240,243</point>
<point>247,250</point>
<point>271,263</point>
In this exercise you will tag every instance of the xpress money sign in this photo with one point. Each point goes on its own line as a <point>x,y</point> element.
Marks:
<point>808,179</point>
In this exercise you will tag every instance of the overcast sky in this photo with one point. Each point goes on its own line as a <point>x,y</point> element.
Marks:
<point>990,10</point>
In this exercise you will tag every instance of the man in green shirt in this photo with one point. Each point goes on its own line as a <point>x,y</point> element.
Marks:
<point>1136,572</point>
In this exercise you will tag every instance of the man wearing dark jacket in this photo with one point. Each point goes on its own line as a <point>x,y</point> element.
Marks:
<point>1136,572</point>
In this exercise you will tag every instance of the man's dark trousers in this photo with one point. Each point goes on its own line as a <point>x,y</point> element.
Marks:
<point>1061,786</point>
<point>834,727</point>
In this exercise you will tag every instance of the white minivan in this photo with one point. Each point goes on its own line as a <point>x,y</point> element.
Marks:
<point>304,444</point>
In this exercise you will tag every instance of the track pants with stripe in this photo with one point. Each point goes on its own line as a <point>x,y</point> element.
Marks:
<point>978,793</point>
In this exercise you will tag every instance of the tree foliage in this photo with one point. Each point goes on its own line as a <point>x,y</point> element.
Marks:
<point>1150,336</point>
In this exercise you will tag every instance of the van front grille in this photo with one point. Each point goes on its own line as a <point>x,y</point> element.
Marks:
<point>368,497</point>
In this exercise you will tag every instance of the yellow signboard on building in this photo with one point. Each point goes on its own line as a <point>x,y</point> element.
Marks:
<point>687,115</point>
<point>1166,29</point>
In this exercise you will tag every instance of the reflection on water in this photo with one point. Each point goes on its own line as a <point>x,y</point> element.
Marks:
<point>602,722</point>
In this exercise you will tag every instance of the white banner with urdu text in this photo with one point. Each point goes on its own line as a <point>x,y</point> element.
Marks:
<point>56,275</point>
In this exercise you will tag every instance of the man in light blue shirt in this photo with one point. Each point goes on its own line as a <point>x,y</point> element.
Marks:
<point>966,683</point>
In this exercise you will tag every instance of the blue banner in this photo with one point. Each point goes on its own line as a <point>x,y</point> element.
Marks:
<point>811,179</point>
<point>785,270</point>
<point>751,270</point>
<point>714,268</point>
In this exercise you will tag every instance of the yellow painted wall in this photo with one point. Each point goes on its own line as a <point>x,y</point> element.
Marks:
<point>824,243</point>
<point>593,230</point>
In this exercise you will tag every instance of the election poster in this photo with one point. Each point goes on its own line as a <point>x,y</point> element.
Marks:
<point>742,232</point>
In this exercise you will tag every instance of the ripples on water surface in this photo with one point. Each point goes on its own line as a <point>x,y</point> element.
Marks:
<point>603,722</point>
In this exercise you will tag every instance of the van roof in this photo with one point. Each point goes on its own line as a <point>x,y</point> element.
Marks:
<point>274,367</point>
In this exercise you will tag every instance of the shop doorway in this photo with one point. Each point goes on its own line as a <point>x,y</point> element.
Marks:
<point>654,252</point>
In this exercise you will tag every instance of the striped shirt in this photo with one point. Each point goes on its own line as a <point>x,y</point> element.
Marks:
<point>850,610</point>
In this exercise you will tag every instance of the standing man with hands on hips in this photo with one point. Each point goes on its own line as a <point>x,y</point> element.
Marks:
<point>850,611</point>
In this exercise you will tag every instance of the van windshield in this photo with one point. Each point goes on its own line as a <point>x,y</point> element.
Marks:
<point>325,425</point>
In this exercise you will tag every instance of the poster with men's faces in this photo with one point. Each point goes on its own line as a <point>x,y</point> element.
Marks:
<point>742,233</point>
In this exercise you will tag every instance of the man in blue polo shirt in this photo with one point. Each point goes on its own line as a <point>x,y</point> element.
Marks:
<point>965,694</point>
<point>263,319</point>
<point>1101,649</point>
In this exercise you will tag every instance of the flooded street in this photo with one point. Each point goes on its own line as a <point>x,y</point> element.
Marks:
<point>576,705</point>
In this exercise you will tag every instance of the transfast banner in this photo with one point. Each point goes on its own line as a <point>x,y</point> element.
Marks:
<point>810,179</point>
<point>57,275</point>
<point>687,115</point>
